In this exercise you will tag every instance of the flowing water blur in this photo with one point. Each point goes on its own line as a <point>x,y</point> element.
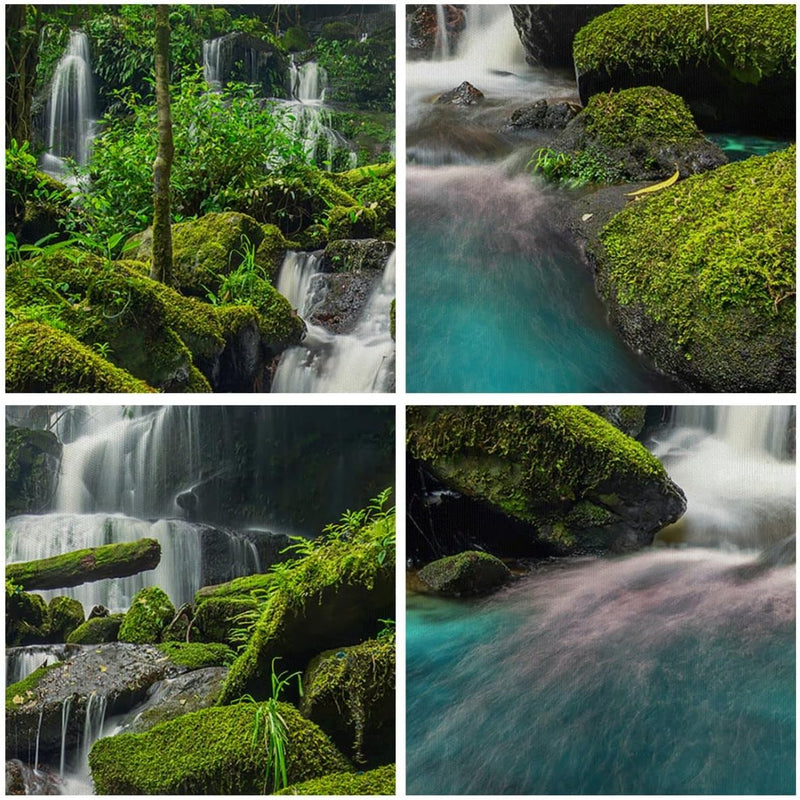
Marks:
<point>671,671</point>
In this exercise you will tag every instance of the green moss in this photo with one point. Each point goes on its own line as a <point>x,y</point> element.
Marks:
<point>64,615</point>
<point>338,30</point>
<point>376,781</point>
<point>750,41</point>
<point>618,119</point>
<point>523,459</point>
<point>271,251</point>
<point>216,619</point>
<point>31,469</point>
<point>352,222</point>
<point>196,655</point>
<point>42,359</point>
<point>707,255</point>
<point>97,630</point>
<point>211,751</point>
<point>468,573</point>
<point>236,588</point>
<point>24,691</point>
<point>350,694</point>
<point>26,616</point>
<point>338,573</point>
<point>294,40</point>
<point>150,612</point>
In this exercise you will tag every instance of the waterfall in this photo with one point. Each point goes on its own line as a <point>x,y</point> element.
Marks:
<point>70,108</point>
<point>212,69</point>
<point>22,661</point>
<point>65,709</point>
<point>732,464</point>
<point>93,724</point>
<point>442,46</point>
<point>359,361</point>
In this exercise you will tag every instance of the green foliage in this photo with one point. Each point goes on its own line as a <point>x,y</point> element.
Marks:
<point>224,142</point>
<point>750,41</point>
<point>269,728</point>
<point>714,243</point>
<point>374,782</point>
<point>361,73</point>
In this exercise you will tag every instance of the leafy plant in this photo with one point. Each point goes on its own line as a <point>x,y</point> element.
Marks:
<point>269,728</point>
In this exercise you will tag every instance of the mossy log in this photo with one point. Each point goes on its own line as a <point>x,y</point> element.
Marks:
<point>84,566</point>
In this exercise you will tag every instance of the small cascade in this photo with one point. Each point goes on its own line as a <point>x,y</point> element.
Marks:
<point>359,361</point>
<point>93,725</point>
<point>233,57</point>
<point>66,707</point>
<point>212,69</point>
<point>22,661</point>
<point>296,279</point>
<point>733,465</point>
<point>441,49</point>
<point>70,108</point>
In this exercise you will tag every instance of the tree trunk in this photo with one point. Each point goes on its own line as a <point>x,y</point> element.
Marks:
<point>161,264</point>
<point>23,24</point>
<point>84,566</point>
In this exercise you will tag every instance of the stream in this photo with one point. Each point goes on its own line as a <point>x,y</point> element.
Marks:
<point>670,671</point>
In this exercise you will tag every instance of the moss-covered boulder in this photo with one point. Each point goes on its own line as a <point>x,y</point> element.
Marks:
<point>26,616</point>
<point>97,630</point>
<point>701,277</point>
<point>196,655</point>
<point>218,618</point>
<point>332,597</point>
<point>375,781</point>
<point>350,694</point>
<point>271,251</point>
<point>469,573</point>
<point>210,752</point>
<point>735,67</point>
<point>640,134</point>
<point>40,358</point>
<point>32,460</point>
<point>574,482</point>
<point>354,255</point>
<point>150,612</point>
<point>206,249</point>
<point>64,615</point>
<point>629,419</point>
<point>351,222</point>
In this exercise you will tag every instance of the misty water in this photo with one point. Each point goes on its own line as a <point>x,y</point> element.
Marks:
<point>670,671</point>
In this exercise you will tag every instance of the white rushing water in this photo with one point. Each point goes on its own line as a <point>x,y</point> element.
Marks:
<point>70,108</point>
<point>731,462</point>
<point>359,361</point>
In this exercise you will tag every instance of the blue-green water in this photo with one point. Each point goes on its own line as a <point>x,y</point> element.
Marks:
<point>738,147</point>
<point>661,673</point>
<point>497,300</point>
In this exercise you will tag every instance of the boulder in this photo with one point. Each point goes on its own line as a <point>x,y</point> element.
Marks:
<point>120,673</point>
<point>374,782</point>
<point>344,297</point>
<point>422,30</point>
<point>469,573</point>
<point>735,68</point>
<point>150,613</point>
<point>26,616</point>
<point>546,32</point>
<point>701,276</point>
<point>32,462</point>
<point>354,255</point>
<point>543,115</point>
<point>628,419</point>
<point>465,94</point>
<point>64,615</point>
<point>97,630</point>
<point>350,693</point>
<point>210,752</point>
<point>22,779</point>
<point>567,479</point>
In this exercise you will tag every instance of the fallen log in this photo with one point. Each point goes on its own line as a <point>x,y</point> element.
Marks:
<point>83,566</point>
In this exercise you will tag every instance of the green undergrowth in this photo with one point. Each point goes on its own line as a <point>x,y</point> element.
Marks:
<point>713,243</point>
<point>749,41</point>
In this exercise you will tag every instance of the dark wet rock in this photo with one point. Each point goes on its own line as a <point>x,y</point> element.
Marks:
<point>464,574</point>
<point>32,462</point>
<point>121,673</point>
<point>98,611</point>
<point>249,59</point>
<point>546,32</point>
<point>465,94</point>
<point>543,114</point>
<point>628,419</point>
<point>171,697</point>
<point>353,255</point>
<point>422,30</point>
<point>22,779</point>
<point>345,295</point>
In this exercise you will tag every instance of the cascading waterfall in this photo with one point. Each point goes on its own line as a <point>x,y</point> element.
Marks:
<point>359,361</point>
<point>70,108</point>
<point>442,46</point>
<point>212,71</point>
<point>669,671</point>
<point>21,661</point>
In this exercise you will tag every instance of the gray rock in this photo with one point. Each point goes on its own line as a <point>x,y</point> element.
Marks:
<point>465,94</point>
<point>469,573</point>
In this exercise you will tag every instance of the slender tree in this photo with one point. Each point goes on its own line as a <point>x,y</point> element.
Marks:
<point>161,264</point>
<point>23,25</point>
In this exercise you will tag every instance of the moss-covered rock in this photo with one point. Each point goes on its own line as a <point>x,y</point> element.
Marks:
<point>248,586</point>
<point>209,752</point>
<point>735,70</point>
<point>350,694</point>
<point>537,464</point>
<point>469,573</point>
<point>64,615</point>
<point>26,616</point>
<point>375,781</point>
<point>196,655</point>
<point>329,598</point>
<point>628,419</point>
<point>701,277</point>
<point>32,459</point>
<point>97,630</point>
<point>40,358</point>
<point>217,619</point>
<point>150,612</point>
<point>352,222</point>
<point>353,255</point>
<point>640,134</point>
<point>271,251</point>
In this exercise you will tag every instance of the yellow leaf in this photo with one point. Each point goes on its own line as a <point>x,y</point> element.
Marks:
<point>103,668</point>
<point>18,700</point>
<point>657,186</point>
